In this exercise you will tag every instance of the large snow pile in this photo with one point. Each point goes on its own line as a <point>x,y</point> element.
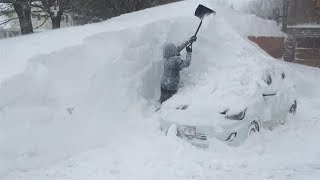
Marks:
<point>77,103</point>
<point>234,4</point>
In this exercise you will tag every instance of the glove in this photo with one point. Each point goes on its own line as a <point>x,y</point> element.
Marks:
<point>189,49</point>
<point>192,39</point>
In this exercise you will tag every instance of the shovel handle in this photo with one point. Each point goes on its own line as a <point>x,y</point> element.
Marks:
<point>198,28</point>
<point>190,45</point>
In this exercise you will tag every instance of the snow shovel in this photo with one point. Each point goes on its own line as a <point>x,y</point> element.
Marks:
<point>201,12</point>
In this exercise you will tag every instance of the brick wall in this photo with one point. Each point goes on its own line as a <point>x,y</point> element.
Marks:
<point>272,45</point>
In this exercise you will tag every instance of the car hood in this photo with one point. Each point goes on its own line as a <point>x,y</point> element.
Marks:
<point>205,106</point>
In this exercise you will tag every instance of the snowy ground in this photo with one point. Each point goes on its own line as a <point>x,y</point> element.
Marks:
<point>76,104</point>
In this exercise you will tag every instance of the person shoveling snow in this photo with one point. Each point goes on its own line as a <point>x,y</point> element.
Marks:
<point>173,64</point>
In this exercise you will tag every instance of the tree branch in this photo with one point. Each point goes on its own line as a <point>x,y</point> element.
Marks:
<point>37,6</point>
<point>6,12</point>
<point>16,2</point>
<point>42,23</point>
<point>7,1</point>
<point>6,21</point>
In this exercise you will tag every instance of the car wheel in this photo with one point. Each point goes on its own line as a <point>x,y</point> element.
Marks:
<point>253,128</point>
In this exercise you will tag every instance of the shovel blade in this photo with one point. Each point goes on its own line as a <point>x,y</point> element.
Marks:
<point>203,11</point>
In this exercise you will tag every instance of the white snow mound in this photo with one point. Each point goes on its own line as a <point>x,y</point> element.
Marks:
<point>76,103</point>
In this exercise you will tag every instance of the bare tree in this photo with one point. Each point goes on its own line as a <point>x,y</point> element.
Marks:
<point>88,11</point>
<point>84,11</point>
<point>55,9</point>
<point>23,10</point>
<point>6,10</point>
<point>126,6</point>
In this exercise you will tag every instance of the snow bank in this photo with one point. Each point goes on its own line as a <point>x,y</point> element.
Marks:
<point>234,4</point>
<point>248,24</point>
<point>15,52</point>
<point>76,104</point>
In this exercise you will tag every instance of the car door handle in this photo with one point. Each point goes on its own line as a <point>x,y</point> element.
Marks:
<point>272,94</point>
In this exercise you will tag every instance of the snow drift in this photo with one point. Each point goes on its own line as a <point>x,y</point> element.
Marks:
<point>77,103</point>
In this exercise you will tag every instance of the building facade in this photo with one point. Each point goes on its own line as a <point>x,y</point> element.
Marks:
<point>302,44</point>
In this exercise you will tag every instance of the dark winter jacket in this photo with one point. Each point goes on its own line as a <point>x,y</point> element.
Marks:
<point>173,64</point>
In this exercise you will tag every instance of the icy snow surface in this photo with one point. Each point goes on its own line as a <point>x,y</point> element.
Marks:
<point>77,103</point>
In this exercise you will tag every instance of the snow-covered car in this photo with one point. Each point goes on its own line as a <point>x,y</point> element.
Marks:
<point>230,113</point>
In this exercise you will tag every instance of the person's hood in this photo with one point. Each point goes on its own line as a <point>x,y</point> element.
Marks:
<point>169,50</point>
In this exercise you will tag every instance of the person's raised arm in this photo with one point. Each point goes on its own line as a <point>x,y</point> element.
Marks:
<point>185,63</point>
<point>186,43</point>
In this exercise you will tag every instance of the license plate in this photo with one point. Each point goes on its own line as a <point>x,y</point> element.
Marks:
<point>189,131</point>
<point>190,134</point>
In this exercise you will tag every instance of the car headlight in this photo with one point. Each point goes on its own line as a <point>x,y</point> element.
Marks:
<point>232,136</point>
<point>239,116</point>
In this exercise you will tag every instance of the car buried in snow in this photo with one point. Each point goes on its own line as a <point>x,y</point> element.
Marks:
<point>229,113</point>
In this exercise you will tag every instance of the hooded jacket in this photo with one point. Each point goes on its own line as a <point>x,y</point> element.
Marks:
<point>173,64</point>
